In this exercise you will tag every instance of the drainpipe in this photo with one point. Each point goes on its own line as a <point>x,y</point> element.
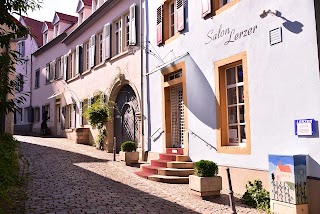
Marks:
<point>31,126</point>
<point>141,80</point>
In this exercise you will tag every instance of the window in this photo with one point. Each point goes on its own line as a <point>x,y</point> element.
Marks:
<point>48,74</point>
<point>233,100</point>
<point>71,61</point>
<point>21,48</point>
<point>118,37</point>
<point>47,109</point>
<point>45,39</point>
<point>224,2</point>
<point>127,28</point>
<point>36,114</point>
<point>19,82</point>
<point>100,47</point>
<point>20,115</point>
<point>214,7</point>
<point>26,114</point>
<point>170,19</point>
<point>57,30</point>
<point>57,68</point>
<point>86,55</point>
<point>37,79</point>
<point>81,17</point>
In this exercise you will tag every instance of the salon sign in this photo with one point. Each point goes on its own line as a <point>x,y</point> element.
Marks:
<point>230,35</point>
<point>304,127</point>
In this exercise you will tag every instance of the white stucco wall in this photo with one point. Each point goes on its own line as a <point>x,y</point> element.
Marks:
<point>283,79</point>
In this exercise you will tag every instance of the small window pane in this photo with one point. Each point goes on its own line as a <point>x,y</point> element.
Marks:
<point>232,115</point>
<point>241,95</point>
<point>233,134</point>
<point>241,114</point>
<point>231,76</point>
<point>243,134</point>
<point>240,73</point>
<point>232,96</point>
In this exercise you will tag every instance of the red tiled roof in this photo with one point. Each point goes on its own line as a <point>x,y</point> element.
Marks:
<point>66,17</point>
<point>35,29</point>
<point>87,2</point>
<point>284,168</point>
<point>49,24</point>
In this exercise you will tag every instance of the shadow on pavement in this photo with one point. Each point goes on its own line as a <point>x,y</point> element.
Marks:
<point>57,185</point>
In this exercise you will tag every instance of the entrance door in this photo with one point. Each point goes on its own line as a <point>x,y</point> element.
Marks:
<point>58,119</point>
<point>177,116</point>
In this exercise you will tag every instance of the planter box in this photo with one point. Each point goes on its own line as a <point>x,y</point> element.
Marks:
<point>129,157</point>
<point>205,186</point>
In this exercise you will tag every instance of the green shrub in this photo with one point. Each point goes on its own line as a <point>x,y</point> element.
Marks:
<point>256,196</point>
<point>205,168</point>
<point>128,146</point>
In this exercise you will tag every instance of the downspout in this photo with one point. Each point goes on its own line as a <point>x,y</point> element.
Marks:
<point>31,126</point>
<point>141,80</point>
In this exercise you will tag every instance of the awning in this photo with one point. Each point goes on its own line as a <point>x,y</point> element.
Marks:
<point>55,94</point>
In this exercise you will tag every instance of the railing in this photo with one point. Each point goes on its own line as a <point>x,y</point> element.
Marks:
<point>156,138</point>
<point>206,143</point>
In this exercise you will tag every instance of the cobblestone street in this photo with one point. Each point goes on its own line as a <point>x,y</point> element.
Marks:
<point>70,178</point>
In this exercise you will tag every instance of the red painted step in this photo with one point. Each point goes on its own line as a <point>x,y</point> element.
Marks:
<point>170,157</point>
<point>150,169</point>
<point>143,174</point>
<point>160,163</point>
<point>177,151</point>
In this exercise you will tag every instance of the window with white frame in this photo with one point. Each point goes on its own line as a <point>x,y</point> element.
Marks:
<point>127,29</point>
<point>37,79</point>
<point>86,55</point>
<point>21,48</point>
<point>71,69</point>
<point>118,37</point>
<point>36,114</point>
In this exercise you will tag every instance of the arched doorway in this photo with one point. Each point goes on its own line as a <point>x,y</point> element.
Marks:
<point>125,118</point>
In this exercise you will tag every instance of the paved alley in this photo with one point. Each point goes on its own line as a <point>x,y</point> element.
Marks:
<point>65,177</point>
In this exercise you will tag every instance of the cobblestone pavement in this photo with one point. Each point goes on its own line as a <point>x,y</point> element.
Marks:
<point>70,178</point>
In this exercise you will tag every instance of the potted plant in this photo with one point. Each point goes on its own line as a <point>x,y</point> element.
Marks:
<point>205,181</point>
<point>128,152</point>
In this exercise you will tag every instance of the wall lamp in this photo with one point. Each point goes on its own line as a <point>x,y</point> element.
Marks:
<point>265,13</point>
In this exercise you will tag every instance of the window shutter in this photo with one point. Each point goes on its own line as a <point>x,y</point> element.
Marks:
<point>92,50</point>
<point>63,118</point>
<point>65,67</point>
<point>132,25</point>
<point>160,25</point>
<point>53,70</point>
<point>61,68</point>
<point>206,7</point>
<point>180,14</point>
<point>77,64</point>
<point>80,113</point>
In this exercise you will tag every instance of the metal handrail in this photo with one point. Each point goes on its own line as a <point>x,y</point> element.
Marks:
<point>207,144</point>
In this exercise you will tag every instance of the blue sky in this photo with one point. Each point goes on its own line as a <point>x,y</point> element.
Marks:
<point>49,7</point>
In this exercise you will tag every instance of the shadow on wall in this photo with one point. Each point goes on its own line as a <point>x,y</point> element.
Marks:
<point>292,26</point>
<point>71,179</point>
<point>202,101</point>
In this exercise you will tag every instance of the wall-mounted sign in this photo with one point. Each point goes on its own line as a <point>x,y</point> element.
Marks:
<point>304,127</point>
<point>232,35</point>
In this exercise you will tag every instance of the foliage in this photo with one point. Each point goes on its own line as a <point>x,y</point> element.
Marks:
<point>205,168</point>
<point>10,179</point>
<point>256,196</point>
<point>128,146</point>
<point>98,114</point>
<point>11,29</point>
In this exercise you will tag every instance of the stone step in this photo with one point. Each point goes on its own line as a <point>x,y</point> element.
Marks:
<point>150,169</point>
<point>180,165</point>
<point>160,163</point>
<point>173,157</point>
<point>177,151</point>
<point>175,172</point>
<point>169,179</point>
<point>143,174</point>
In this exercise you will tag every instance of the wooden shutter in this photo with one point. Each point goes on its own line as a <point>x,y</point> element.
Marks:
<point>180,14</point>
<point>92,50</point>
<point>48,72</point>
<point>132,25</point>
<point>80,113</point>
<point>65,67</point>
<point>108,41</point>
<point>77,64</point>
<point>81,59</point>
<point>160,25</point>
<point>61,66</point>
<point>206,7</point>
<point>54,69</point>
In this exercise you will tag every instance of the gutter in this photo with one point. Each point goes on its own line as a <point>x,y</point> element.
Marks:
<point>141,80</point>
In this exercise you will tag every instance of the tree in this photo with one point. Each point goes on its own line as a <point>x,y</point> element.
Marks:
<point>11,29</point>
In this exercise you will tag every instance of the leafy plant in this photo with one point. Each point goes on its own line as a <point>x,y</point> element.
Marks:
<point>98,114</point>
<point>205,168</point>
<point>128,146</point>
<point>256,196</point>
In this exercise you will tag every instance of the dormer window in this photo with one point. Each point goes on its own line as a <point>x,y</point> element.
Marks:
<point>45,39</point>
<point>81,17</point>
<point>57,30</point>
<point>95,5</point>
